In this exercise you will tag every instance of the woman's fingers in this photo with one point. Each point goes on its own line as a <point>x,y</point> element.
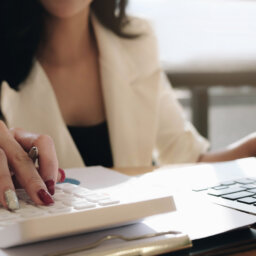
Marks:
<point>48,163</point>
<point>47,159</point>
<point>8,196</point>
<point>23,167</point>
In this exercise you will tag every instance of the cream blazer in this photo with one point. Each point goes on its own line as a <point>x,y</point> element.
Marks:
<point>143,116</point>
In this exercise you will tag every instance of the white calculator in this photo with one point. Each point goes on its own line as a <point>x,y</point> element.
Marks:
<point>77,210</point>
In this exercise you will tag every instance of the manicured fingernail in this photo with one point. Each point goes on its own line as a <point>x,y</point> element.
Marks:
<point>11,200</point>
<point>45,197</point>
<point>62,175</point>
<point>50,186</point>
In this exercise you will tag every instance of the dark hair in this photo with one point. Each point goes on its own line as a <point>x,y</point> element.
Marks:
<point>21,26</point>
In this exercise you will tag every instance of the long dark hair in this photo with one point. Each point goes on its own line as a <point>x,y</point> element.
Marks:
<point>21,26</point>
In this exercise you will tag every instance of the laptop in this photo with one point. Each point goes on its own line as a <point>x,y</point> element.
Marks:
<point>231,184</point>
<point>234,186</point>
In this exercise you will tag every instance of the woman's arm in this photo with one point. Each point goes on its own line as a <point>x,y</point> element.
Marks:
<point>245,147</point>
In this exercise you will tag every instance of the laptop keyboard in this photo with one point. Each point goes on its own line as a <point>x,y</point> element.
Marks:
<point>238,194</point>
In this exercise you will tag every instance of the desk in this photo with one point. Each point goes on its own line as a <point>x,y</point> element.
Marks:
<point>142,170</point>
<point>204,43</point>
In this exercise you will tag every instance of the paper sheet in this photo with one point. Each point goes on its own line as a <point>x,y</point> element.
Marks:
<point>196,216</point>
<point>97,177</point>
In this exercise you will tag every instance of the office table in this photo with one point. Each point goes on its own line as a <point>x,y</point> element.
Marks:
<point>204,43</point>
<point>142,170</point>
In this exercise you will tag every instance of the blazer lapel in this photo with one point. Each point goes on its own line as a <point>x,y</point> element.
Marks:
<point>129,108</point>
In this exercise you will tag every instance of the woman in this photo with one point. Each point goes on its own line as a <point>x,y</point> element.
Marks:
<point>83,83</point>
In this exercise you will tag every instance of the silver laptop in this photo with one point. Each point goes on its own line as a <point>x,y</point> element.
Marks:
<point>234,186</point>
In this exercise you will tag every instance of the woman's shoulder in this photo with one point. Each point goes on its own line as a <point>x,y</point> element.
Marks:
<point>141,31</point>
<point>140,47</point>
<point>137,30</point>
<point>138,25</point>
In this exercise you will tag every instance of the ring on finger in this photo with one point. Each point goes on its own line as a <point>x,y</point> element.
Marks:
<point>33,153</point>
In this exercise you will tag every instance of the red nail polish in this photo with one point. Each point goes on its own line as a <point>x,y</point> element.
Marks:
<point>45,197</point>
<point>62,175</point>
<point>50,186</point>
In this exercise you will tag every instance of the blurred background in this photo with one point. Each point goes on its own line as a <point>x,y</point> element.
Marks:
<point>208,50</point>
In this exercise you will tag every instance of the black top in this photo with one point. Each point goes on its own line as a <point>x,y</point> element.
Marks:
<point>93,144</point>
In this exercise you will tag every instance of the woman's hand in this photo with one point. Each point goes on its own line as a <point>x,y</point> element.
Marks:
<point>246,147</point>
<point>17,167</point>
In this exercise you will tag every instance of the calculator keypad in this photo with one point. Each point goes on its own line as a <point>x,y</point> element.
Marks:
<point>68,198</point>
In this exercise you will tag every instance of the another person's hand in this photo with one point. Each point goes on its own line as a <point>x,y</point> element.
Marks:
<point>246,147</point>
<point>16,167</point>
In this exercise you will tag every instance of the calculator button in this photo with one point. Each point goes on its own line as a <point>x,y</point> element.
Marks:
<point>60,210</point>
<point>96,197</point>
<point>83,205</point>
<point>108,202</point>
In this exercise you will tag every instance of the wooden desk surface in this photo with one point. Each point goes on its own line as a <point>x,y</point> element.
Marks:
<point>249,253</point>
<point>132,171</point>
